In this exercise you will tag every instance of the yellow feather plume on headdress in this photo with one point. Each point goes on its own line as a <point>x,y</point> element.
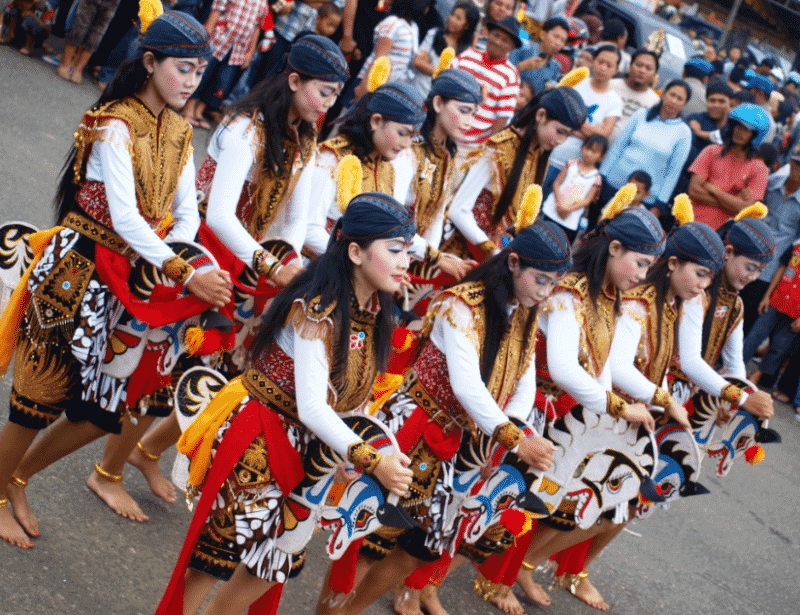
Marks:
<point>621,200</point>
<point>756,210</point>
<point>521,15</point>
<point>573,77</point>
<point>349,181</point>
<point>149,11</point>
<point>529,210</point>
<point>682,209</point>
<point>379,73</point>
<point>448,53</point>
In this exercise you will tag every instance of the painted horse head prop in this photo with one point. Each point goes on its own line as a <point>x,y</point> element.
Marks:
<point>741,435</point>
<point>600,464</point>
<point>350,510</point>
<point>679,459</point>
<point>15,257</point>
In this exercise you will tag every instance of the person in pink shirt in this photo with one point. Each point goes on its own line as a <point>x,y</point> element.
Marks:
<point>729,177</point>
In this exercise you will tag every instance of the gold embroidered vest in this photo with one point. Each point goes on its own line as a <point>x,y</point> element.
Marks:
<point>160,147</point>
<point>431,183</point>
<point>377,175</point>
<point>273,190</point>
<point>657,344</point>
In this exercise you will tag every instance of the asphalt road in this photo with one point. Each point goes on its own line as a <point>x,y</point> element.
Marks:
<point>735,551</point>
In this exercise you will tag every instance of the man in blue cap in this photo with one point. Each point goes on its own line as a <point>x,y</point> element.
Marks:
<point>696,73</point>
<point>761,87</point>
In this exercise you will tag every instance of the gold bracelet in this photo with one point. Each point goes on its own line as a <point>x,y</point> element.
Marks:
<point>107,476</point>
<point>177,269</point>
<point>364,456</point>
<point>19,482</point>
<point>732,394</point>
<point>527,566</point>
<point>661,398</point>
<point>508,435</point>
<point>3,502</point>
<point>147,454</point>
<point>488,247</point>
<point>615,405</point>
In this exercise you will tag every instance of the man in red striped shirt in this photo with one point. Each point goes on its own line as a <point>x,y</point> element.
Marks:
<point>498,77</point>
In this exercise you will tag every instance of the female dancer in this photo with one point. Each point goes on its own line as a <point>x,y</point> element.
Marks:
<point>453,100</point>
<point>306,338</point>
<point>109,204</point>
<point>646,339</point>
<point>254,161</point>
<point>378,131</point>
<point>486,202</point>
<point>577,326</point>
<point>711,327</point>
<point>480,331</point>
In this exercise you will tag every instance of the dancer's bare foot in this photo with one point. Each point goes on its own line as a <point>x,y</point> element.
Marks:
<point>407,600</point>
<point>159,485</point>
<point>532,589</point>
<point>116,498</point>
<point>65,72</point>
<point>23,512</point>
<point>586,592</point>
<point>10,530</point>
<point>507,603</point>
<point>76,77</point>
<point>430,601</point>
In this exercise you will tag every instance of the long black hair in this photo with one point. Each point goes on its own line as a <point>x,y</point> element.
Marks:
<point>473,16</point>
<point>356,127</point>
<point>659,276</point>
<point>524,121</point>
<point>272,97</point>
<point>499,283</point>
<point>130,78</point>
<point>329,276</point>
<point>591,259</point>
<point>426,131</point>
<point>714,287</point>
<point>655,110</point>
<point>727,140</point>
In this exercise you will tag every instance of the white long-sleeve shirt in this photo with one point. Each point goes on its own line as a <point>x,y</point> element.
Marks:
<point>234,147</point>
<point>456,337</point>
<point>559,323</point>
<point>690,351</point>
<point>627,335</point>
<point>110,163</point>
<point>461,215</point>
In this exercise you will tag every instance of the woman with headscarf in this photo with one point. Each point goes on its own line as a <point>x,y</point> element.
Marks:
<point>305,370</point>
<point>480,331</point>
<point>576,329</point>
<point>378,131</point>
<point>246,182</point>
<point>486,203</point>
<point>110,206</point>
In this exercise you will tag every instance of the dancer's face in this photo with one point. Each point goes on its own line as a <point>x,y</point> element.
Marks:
<point>740,270</point>
<point>390,138</point>
<point>531,285</point>
<point>688,280</point>
<point>380,266</point>
<point>454,116</point>
<point>172,80</point>
<point>626,268</point>
<point>311,98</point>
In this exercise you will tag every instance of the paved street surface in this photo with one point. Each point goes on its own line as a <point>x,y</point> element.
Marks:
<point>735,551</point>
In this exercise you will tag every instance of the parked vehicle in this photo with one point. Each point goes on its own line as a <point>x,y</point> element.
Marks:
<point>641,25</point>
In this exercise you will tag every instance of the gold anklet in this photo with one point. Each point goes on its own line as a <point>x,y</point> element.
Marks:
<point>147,454</point>
<point>527,566</point>
<point>570,581</point>
<point>19,482</point>
<point>107,476</point>
<point>3,502</point>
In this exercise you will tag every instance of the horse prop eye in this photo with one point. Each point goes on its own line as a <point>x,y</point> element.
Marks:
<point>614,484</point>
<point>741,442</point>
<point>363,518</point>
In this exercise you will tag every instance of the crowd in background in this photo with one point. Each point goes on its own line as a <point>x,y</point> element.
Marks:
<point>700,133</point>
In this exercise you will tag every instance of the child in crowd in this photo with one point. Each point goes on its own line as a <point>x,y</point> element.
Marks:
<point>642,180</point>
<point>329,16</point>
<point>779,319</point>
<point>576,187</point>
